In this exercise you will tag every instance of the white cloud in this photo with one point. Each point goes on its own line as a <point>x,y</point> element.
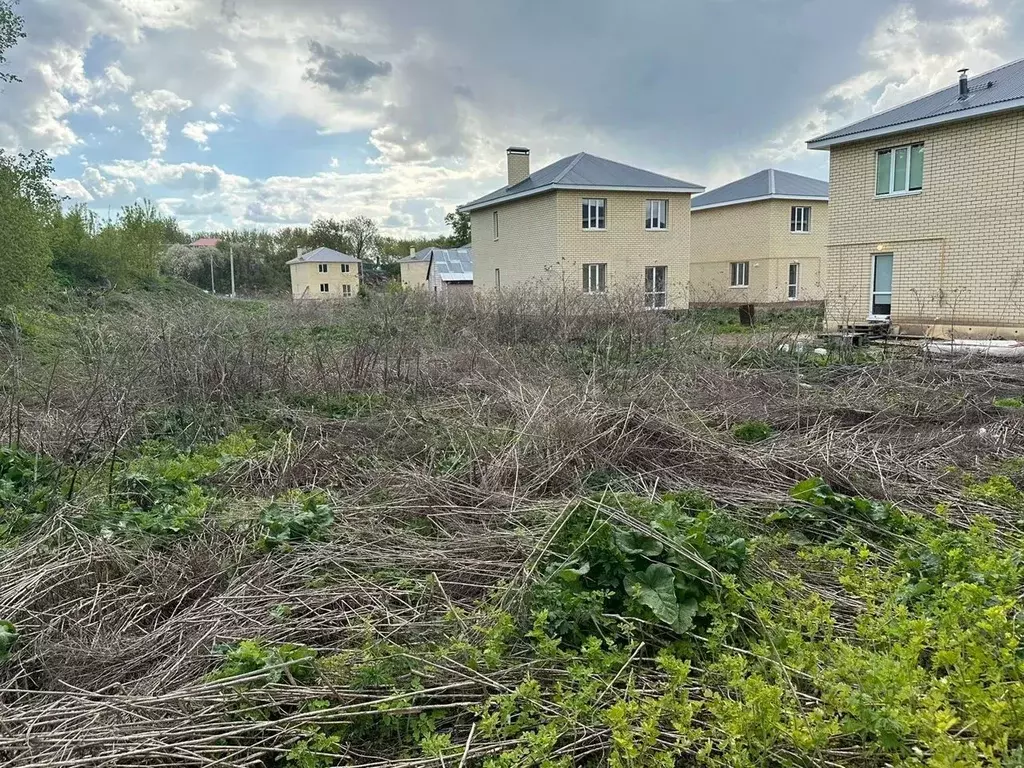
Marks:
<point>155,107</point>
<point>199,132</point>
<point>73,189</point>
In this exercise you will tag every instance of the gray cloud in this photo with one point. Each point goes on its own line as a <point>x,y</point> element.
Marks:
<point>343,72</point>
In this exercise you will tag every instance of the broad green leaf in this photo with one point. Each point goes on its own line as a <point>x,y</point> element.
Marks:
<point>632,543</point>
<point>810,490</point>
<point>656,589</point>
<point>684,618</point>
<point>8,637</point>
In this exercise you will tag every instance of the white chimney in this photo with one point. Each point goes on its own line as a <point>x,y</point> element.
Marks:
<point>412,250</point>
<point>518,165</point>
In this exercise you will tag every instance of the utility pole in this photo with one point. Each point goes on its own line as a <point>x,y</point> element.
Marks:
<point>231,256</point>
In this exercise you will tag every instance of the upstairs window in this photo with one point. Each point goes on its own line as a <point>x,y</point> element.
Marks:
<point>345,267</point>
<point>800,218</point>
<point>900,170</point>
<point>594,278</point>
<point>657,214</point>
<point>593,213</point>
<point>322,268</point>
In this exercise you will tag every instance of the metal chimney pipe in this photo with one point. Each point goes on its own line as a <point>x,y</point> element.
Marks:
<point>964,90</point>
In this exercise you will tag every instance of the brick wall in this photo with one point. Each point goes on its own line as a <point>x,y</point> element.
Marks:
<point>414,274</point>
<point>758,233</point>
<point>306,281</point>
<point>958,245</point>
<point>525,248</point>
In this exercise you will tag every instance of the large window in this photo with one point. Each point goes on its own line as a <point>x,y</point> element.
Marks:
<point>739,274</point>
<point>325,288</point>
<point>594,278</point>
<point>322,268</point>
<point>794,282</point>
<point>800,218</point>
<point>346,291</point>
<point>900,170</point>
<point>495,219</point>
<point>881,287</point>
<point>657,214</point>
<point>656,287</point>
<point>593,213</point>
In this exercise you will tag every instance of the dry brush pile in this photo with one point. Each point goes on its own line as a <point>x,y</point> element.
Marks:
<point>523,534</point>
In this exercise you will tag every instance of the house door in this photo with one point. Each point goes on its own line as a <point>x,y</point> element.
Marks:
<point>656,287</point>
<point>794,282</point>
<point>881,287</point>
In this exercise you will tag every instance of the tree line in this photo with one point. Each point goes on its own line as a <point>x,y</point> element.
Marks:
<point>43,242</point>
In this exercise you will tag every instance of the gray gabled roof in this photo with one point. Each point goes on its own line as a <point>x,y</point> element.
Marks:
<point>768,184</point>
<point>451,265</point>
<point>418,257</point>
<point>1000,90</point>
<point>583,171</point>
<point>325,255</point>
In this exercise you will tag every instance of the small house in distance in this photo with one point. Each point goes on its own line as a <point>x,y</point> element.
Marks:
<point>439,270</point>
<point>324,274</point>
<point>760,240</point>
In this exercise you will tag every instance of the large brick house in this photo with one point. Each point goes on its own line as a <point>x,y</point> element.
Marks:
<point>760,240</point>
<point>587,225</point>
<point>926,212</point>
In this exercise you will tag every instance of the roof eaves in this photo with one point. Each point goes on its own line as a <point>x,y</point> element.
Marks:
<point>825,141</point>
<point>724,203</point>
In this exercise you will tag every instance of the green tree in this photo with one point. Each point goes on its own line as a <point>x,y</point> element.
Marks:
<point>364,238</point>
<point>461,231</point>
<point>330,233</point>
<point>12,29</point>
<point>24,242</point>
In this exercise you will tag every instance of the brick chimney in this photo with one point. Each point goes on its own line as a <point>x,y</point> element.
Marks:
<point>518,165</point>
<point>412,250</point>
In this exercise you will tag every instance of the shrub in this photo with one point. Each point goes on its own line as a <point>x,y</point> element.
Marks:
<point>288,662</point>
<point>825,514</point>
<point>294,518</point>
<point>752,431</point>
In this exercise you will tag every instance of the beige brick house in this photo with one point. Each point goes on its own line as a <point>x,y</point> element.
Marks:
<point>414,269</point>
<point>926,217</point>
<point>586,225</point>
<point>324,274</point>
<point>759,240</point>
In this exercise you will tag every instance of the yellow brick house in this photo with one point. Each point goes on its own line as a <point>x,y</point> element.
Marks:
<point>760,240</point>
<point>324,274</point>
<point>587,225</point>
<point>926,212</point>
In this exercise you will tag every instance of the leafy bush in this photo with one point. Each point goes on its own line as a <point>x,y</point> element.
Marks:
<point>295,518</point>
<point>826,514</point>
<point>752,431</point>
<point>280,663</point>
<point>998,490</point>
<point>651,560</point>
<point>28,485</point>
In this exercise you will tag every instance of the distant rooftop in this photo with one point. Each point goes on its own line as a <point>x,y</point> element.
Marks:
<point>999,90</point>
<point>206,242</point>
<point>586,172</point>
<point>325,256</point>
<point>768,184</point>
<point>451,265</point>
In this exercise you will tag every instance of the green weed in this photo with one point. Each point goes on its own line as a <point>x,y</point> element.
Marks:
<point>752,431</point>
<point>294,518</point>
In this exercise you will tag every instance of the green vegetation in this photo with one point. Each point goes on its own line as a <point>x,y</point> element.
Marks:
<point>752,431</point>
<point>1008,402</point>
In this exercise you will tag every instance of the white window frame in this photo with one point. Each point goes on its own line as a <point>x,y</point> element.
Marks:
<point>346,268</point>
<point>494,219</point>
<point>321,268</point>
<point>656,211</point>
<point>889,293</point>
<point>892,171</point>
<point>800,220</point>
<point>346,291</point>
<point>738,269</point>
<point>595,217</point>
<point>325,287</point>
<point>497,278</point>
<point>793,281</point>
<point>595,279</point>
<point>651,296</point>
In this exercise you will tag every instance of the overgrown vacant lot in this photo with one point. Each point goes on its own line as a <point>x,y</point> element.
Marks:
<point>399,534</point>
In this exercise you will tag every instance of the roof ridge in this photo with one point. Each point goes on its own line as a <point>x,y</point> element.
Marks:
<point>573,164</point>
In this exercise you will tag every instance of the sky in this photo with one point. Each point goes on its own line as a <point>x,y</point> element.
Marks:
<point>270,113</point>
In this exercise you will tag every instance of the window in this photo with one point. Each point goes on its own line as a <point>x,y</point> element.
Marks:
<point>497,279</point>
<point>881,287</point>
<point>657,214</point>
<point>345,268</point>
<point>656,287</point>
<point>346,291</point>
<point>495,225</point>
<point>800,218</point>
<point>593,213</point>
<point>594,278</point>
<point>794,282</point>
<point>900,170</point>
<point>325,288</point>
<point>322,268</point>
<point>740,274</point>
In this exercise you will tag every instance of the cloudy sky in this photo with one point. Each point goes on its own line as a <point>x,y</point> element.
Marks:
<point>264,113</point>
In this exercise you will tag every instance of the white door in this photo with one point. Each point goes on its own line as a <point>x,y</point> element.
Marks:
<point>881,287</point>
